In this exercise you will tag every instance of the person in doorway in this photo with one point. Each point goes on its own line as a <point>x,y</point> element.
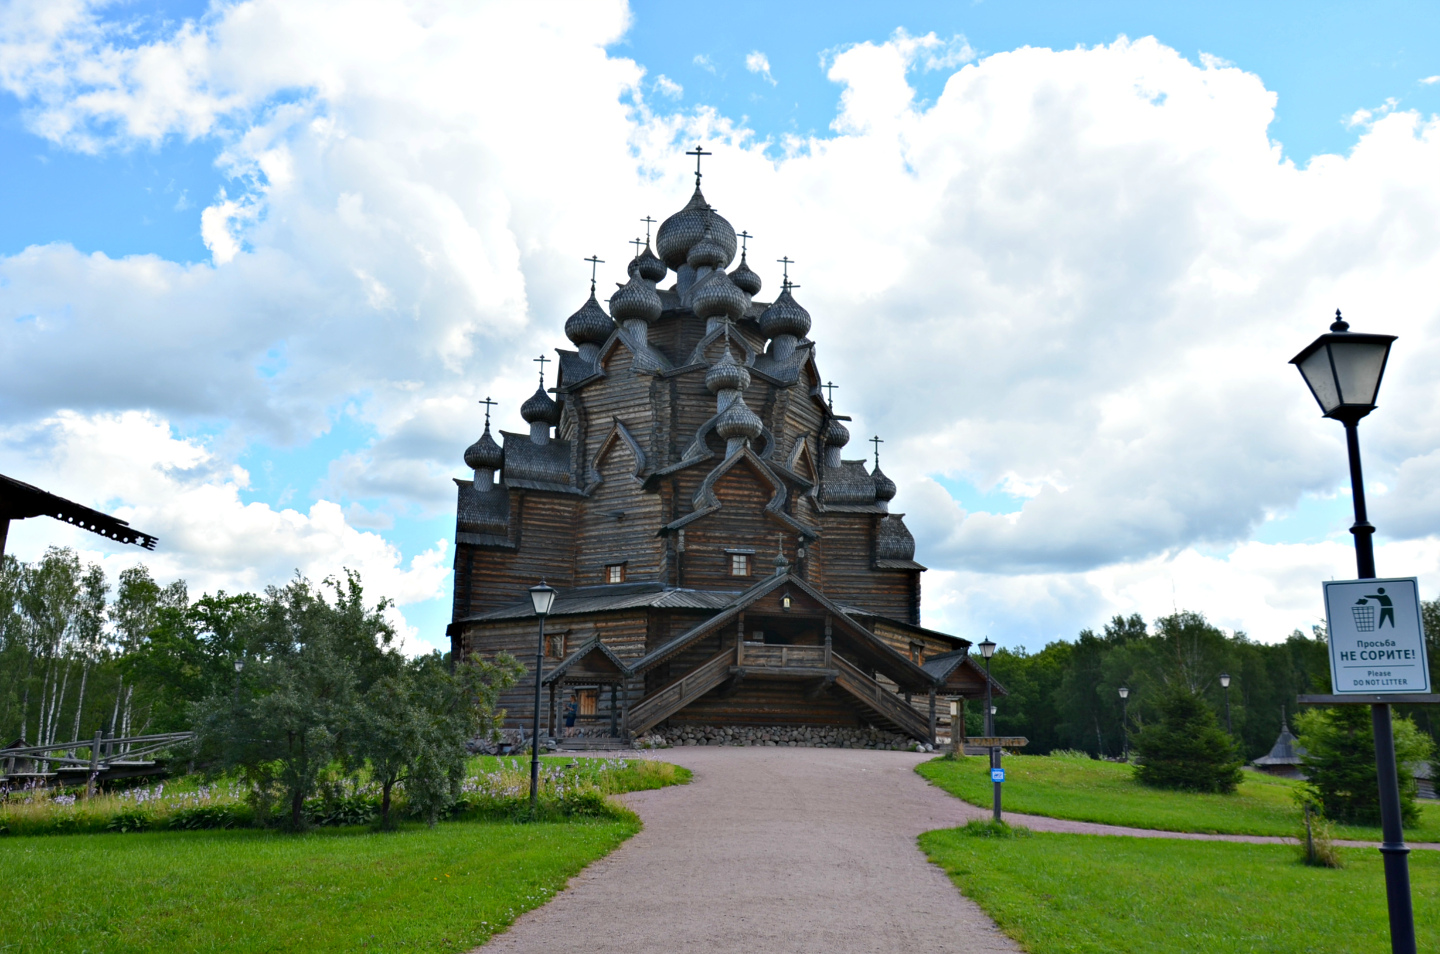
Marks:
<point>570,709</point>
<point>1387,607</point>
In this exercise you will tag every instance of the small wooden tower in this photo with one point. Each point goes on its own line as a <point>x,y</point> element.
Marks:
<point>1286,756</point>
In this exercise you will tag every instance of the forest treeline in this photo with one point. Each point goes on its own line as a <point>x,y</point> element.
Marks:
<point>80,655</point>
<point>1065,696</point>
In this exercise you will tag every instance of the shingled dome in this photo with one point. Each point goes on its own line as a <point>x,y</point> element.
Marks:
<point>637,299</point>
<point>684,230</point>
<point>589,325</point>
<point>744,279</point>
<point>715,296</point>
<point>484,454</point>
<point>708,252</point>
<point>540,408</point>
<point>737,420</point>
<point>726,375</point>
<point>836,434</point>
<point>648,265</point>
<point>784,317</point>
<point>884,486</point>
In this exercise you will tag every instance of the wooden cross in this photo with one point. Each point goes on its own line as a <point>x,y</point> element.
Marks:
<point>830,387</point>
<point>648,222</point>
<point>697,152</point>
<point>488,405</point>
<point>877,442</point>
<point>787,261</point>
<point>595,262</point>
<point>744,237</point>
<point>542,359</point>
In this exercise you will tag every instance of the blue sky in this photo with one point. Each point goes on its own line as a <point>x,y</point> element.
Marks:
<point>760,67</point>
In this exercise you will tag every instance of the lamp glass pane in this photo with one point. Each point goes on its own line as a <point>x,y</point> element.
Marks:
<point>1358,365</point>
<point>542,597</point>
<point>1316,369</point>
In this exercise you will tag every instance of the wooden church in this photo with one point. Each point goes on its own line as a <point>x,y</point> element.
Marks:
<point>720,563</point>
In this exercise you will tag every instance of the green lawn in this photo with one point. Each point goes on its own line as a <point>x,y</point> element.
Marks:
<point>1088,790</point>
<point>1058,894</point>
<point>419,889</point>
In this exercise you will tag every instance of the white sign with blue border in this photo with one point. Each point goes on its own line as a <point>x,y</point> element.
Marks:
<point>1377,642</point>
<point>997,775</point>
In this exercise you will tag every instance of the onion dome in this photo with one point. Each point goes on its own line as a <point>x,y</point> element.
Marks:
<point>637,298</point>
<point>540,408</point>
<point>715,296</point>
<point>726,375</point>
<point>737,420</point>
<point>784,317</point>
<point>744,279</point>
<point>836,434</point>
<point>884,486</point>
<point>707,253</point>
<point>649,265</point>
<point>589,325</point>
<point>484,454</point>
<point>683,230</point>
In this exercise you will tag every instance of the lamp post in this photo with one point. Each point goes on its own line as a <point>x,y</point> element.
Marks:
<point>1225,684</point>
<point>987,649</point>
<point>1125,720</point>
<point>1343,371</point>
<point>542,597</point>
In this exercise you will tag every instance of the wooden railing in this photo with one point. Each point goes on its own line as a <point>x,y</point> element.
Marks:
<point>770,656</point>
<point>663,703</point>
<point>879,699</point>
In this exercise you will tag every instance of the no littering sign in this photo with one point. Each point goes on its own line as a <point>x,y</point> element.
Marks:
<point>1377,644</point>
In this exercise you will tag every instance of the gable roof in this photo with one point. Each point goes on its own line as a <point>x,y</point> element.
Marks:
<point>942,666</point>
<point>591,647</point>
<point>895,665</point>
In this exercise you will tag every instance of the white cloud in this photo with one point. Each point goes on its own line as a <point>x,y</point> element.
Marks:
<point>704,62</point>
<point>668,87</point>
<point>1075,275</point>
<point>1431,80</point>
<point>133,465</point>
<point>757,62</point>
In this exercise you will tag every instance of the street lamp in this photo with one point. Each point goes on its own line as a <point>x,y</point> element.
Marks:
<point>1343,371</point>
<point>543,598</point>
<point>987,649</point>
<point>1125,719</point>
<point>1225,684</point>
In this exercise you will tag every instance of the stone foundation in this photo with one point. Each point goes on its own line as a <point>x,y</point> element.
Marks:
<point>804,736</point>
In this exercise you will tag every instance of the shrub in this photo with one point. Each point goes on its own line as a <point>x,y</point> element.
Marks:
<point>989,828</point>
<point>1186,749</point>
<point>231,815</point>
<point>1340,763</point>
<point>1317,841</point>
<point>129,819</point>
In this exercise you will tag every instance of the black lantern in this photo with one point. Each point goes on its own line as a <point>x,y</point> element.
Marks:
<point>987,648</point>
<point>542,597</point>
<point>1343,369</point>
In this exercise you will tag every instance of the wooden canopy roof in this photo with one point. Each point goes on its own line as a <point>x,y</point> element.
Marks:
<point>19,501</point>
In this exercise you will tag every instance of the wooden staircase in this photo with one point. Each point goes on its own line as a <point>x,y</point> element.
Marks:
<point>663,703</point>
<point>875,697</point>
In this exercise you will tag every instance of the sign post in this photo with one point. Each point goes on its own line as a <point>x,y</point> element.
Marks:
<point>998,744</point>
<point>1377,656</point>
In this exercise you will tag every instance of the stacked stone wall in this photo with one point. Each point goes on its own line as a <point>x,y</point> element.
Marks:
<point>818,736</point>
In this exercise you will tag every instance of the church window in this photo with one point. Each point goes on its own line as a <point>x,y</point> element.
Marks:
<point>555,645</point>
<point>917,653</point>
<point>615,573</point>
<point>739,564</point>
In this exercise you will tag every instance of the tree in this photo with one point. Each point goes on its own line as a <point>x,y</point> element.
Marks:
<point>1186,749</point>
<point>417,720</point>
<point>296,707</point>
<point>1340,760</point>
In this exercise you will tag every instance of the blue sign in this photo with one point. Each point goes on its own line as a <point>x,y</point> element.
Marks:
<point>997,775</point>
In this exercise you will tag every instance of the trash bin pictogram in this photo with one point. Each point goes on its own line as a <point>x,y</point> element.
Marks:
<point>1364,615</point>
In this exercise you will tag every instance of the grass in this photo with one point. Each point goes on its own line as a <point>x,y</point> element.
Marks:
<point>416,890</point>
<point>1068,894</point>
<point>494,787</point>
<point>1087,790</point>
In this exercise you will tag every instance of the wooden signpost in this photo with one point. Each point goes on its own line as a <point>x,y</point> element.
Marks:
<point>997,744</point>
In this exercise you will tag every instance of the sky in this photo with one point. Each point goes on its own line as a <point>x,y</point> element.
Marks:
<point>259,260</point>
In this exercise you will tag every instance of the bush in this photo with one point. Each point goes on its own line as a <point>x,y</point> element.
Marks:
<point>232,815</point>
<point>989,828</point>
<point>1340,763</point>
<point>129,819</point>
<point>1317,841</point>
<point>1187,749</point>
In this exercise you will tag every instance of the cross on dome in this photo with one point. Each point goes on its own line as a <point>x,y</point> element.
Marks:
<point>830,387</point>
<point>542,359</point>
<point>595,261</point>
<point>744,239</point>
<point>488,405</point>
<point>639,244</point>
<point>785,282</point>
<point>877,441</point>
<point>697,152</point>
<point>648,222</point>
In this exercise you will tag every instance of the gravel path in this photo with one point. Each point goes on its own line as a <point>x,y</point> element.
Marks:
<point>771,850</point>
